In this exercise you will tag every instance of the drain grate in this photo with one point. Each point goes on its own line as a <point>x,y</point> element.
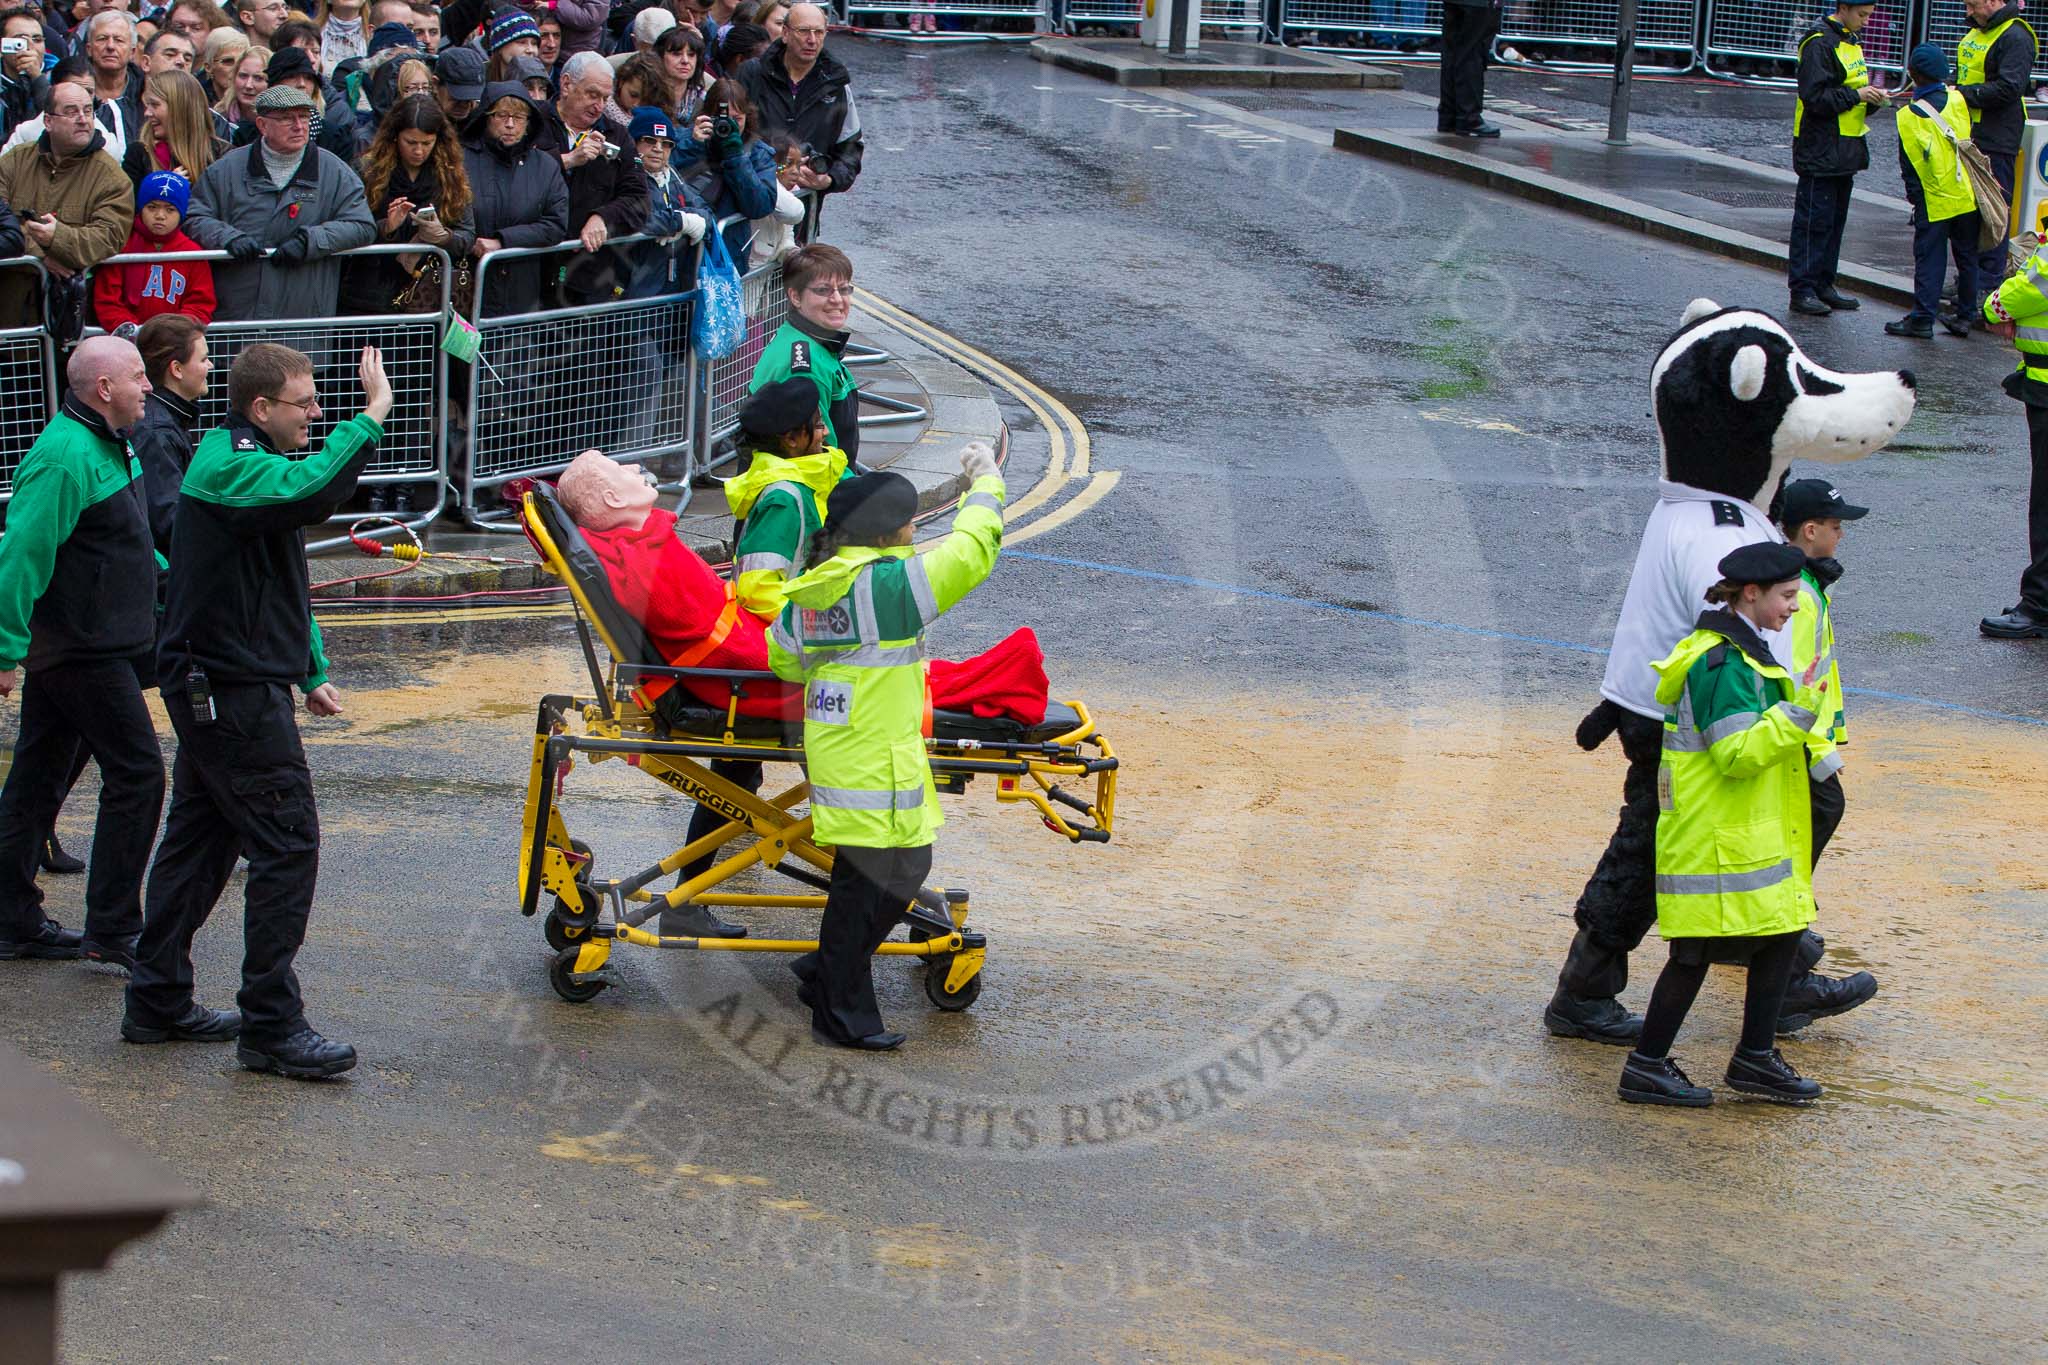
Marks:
<point>1742,199</point>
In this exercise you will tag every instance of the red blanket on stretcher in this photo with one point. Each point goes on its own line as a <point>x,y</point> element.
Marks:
<point>692,621</point>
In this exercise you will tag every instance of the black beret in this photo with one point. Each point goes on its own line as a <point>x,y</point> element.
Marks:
<point>873,505</point>
<point>782,406</point>
<point>1769,562</point>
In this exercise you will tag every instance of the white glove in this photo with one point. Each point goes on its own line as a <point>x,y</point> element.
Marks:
<point>693,226</point>
<point>978,460</point>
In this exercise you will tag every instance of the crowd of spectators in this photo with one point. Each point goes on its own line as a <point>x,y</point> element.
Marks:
<point>284,138</point>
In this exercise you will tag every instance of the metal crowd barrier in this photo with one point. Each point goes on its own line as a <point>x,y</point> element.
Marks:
<point>1943,23</point>
<point>1661,25</point>
<point>1037,11</point>
<point>725,381</point>
<point>550,383</point>
<point>1078,12</point>
<point>28,381</point>
<point>1764,35</point>
<point>1388,26</point>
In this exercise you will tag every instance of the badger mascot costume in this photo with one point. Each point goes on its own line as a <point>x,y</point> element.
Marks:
<point>1736,402</point>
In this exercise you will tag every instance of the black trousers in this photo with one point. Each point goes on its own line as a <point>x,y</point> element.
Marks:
<point>1461,79</point>
<point>1820,210</point>
<point>67,712</point>
<point>1934,245</point>
<point>1619,903</point>
<point>1770,972</point>
<point>2034,582</point>
<point>871,889</point>
<point>240,785</point>
<point>703,819</point>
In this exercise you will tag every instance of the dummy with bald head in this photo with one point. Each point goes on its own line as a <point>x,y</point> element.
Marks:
<point>107,375</point>
<point>600,494</point>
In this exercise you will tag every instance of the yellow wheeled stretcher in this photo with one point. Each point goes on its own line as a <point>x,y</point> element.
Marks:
<point>675,740</point>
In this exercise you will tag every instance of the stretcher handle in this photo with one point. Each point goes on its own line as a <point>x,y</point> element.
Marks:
<point>1071,802</point>
<point>670,671</point>
<point>1092,836</point>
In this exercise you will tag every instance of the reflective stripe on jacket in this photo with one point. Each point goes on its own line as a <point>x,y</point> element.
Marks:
<point>1812,636</point>
<point>1734,824</point>
<point>2023,299</point>
<point>853,635</point>
<point>779,504</point>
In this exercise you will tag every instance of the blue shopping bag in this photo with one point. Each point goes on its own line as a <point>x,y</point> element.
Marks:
<point>719,324</point>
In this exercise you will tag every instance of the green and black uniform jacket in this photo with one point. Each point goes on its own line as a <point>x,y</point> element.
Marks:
<point>238,606</point>
<point>77,569</point>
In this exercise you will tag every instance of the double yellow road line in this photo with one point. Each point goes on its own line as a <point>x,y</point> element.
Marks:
<point>1071,449</point>
<point>1071,463</point>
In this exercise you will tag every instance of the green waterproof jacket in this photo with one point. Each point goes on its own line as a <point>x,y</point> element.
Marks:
<point>1734,821</point>
<point>778,505</point>
<point>853,635</point>
<point>794,351</point>
<point>237,605</point>
<point>77,567</point>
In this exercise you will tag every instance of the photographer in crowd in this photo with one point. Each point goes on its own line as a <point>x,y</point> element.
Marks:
<point>607,188</point>
<point>798,88</point>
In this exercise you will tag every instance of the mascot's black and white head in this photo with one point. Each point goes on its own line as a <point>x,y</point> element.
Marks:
<point>1737,401</point>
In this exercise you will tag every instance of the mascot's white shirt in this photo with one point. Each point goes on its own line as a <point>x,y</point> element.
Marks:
<point>1690,533</point>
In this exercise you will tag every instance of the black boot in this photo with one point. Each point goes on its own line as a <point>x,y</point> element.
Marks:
<point>1837,300</point>
<point>1600,1019</point>
<point>304,1055</point>
<point>2023,622</point>
<point>51,941</point>
<point>1768,1074</point>
<point>1810,305</point>
<point>1812,996</point>
<point>117,954</point>
<point>1657,1080</point>
<point>55,859</point>
<point>1811,948</point>
<point>697,921</point>
<point>197,1025</point>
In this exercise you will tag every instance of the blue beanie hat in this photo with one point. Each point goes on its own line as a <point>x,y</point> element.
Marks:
<point>508,25</point>
<point>168,186</point>
<point>393,34</point>
<point>1928,60</point>
<point>651,122</point>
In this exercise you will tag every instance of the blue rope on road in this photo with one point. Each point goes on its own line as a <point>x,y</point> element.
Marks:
<point>1426,623</point>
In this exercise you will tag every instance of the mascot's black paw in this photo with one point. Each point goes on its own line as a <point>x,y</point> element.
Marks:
<point>1600,722</point>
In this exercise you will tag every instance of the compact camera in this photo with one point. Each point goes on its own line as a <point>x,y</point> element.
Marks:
<point>11,47</point>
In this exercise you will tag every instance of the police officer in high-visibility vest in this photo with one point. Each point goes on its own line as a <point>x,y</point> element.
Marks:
<point>1828,148</point>
<point>1994,70</point>
<point>1932,128</point>
<point>1734,829</point>
<point>2018,311</point>
<point>853,635</point>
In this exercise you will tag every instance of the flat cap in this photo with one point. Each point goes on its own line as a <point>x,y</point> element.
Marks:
<point>282,99</point>
<point>1769,562</point>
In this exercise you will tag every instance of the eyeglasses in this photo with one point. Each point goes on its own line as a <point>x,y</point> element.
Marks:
<point>310,406</point>
<point>830,291</point>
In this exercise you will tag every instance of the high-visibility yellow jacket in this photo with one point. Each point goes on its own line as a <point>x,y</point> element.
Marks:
<point>2023,299</point>
<point>1812,636</point>
<point>853,635</point>
<point>1930,162</point>
<point>779,504</point>
<point>1734,822</point>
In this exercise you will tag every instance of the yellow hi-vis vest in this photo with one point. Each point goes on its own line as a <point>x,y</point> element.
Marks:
<point>1812,633</point>
<point>1943,182</point>
<point>853,635</point>
<point>1856,75</point>
<point>1974,47</point>
<point>2023,299</point>
<point>1734,821</point>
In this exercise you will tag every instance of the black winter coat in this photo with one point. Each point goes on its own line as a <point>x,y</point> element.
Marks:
<point>163,444</point>
<point>10,232</point>
<point>616,190</point>
<point>2001,95</point>
<point>819,112</point>
<point>520,199</point>
<point>370,284</point>
<point>1820,148</point>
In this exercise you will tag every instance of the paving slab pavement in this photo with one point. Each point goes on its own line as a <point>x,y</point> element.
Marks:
<point>1724,204</point>
<point>1127,61</point>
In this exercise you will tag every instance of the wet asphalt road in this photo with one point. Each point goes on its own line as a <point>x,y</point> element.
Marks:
<point>1264,1078</point>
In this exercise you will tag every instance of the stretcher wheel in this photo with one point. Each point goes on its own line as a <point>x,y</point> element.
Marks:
<point>935,986</point>
<point>559,934</point>
<point>575,992</point>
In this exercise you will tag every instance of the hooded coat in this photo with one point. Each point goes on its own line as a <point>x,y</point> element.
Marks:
<point>520,198</point>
